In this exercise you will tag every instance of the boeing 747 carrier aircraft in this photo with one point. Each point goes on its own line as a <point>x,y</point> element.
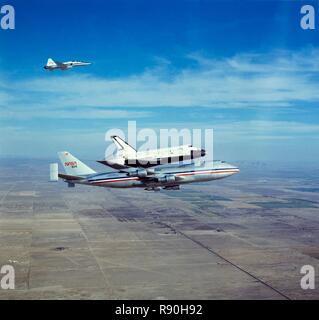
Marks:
<point>168,177</point>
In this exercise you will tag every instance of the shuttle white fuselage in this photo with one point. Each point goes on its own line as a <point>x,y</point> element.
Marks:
<point>127,156</point>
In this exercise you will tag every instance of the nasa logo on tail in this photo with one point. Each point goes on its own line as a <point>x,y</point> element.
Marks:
<point>71,164</point>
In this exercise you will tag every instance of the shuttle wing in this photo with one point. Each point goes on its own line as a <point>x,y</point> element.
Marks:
<point>131,163</point>
<point>111,164</point>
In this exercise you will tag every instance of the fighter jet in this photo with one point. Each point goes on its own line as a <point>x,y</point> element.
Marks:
<point>127,156</point>
<point>168,177</point>
<point>52,65</point>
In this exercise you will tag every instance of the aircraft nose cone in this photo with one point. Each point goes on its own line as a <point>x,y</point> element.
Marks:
<point>202,152</point>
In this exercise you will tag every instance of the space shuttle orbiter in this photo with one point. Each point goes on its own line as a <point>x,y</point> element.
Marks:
<point>127,156</point>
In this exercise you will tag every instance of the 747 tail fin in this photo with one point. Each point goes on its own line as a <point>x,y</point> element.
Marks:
<point>74,166</point>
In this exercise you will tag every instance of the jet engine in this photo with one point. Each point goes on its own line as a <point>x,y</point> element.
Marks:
<point>165,179</point>
<point>141,173</point>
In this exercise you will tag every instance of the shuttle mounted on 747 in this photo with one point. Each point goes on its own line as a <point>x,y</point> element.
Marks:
<point>140,175</point>
<point>127,156</point>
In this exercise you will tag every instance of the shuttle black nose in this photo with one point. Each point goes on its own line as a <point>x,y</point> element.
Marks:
<point>202,152</point>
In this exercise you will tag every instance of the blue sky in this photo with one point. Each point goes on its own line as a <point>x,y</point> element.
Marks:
<point>244,68</point>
